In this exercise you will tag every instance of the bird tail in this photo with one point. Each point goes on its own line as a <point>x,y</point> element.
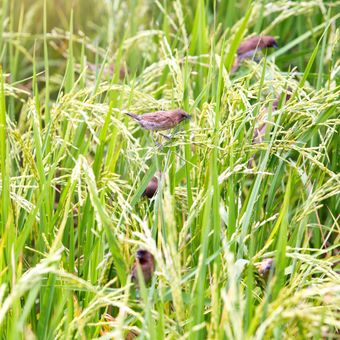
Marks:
<point>132,115</point>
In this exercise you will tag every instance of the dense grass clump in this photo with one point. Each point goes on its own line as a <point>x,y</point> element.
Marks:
<point>244,227</point>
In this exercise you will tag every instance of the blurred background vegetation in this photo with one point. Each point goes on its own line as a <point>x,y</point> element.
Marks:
<point>105,24</point>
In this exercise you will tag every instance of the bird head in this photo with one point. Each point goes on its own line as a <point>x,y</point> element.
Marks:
<point>270,41</point>
<point>144,256</point>
<point>182,114</point>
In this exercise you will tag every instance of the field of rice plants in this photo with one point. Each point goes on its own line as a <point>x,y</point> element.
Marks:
<point>239,237</point>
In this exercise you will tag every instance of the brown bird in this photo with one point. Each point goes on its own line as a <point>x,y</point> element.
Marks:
<point>147,265</point>
<point>277,100</point>
<point>249,46</point>
<point>261,129</point>
<point>264,267</point>
<point>160,120</point>
<point>152,187</point>
<point>259,133</point>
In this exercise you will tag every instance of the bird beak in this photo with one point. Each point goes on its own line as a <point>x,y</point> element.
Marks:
<point>275,45</point>
<point>188,117</point>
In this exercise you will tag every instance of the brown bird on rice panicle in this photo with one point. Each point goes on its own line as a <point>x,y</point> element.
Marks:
<point>248,48</point>
<point>264,267</point>
<point>152,187</point>
<point>160,120</point>
<point>147,265</point>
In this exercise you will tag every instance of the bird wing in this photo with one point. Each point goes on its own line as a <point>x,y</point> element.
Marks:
<point>249,45</point>
<point>160,120</point>
<point>158,117</point>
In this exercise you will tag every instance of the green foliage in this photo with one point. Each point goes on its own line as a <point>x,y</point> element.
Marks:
<point>74,168</point>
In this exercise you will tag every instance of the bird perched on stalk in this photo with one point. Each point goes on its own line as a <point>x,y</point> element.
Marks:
<point>261,129</point>
<point>152,187</point>
<point>264,267</point>
<point>160,120</point>
<point>248,48</point>
<point>147,265</point>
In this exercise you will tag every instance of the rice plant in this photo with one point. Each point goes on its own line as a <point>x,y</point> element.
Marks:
<point>244,225</point>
